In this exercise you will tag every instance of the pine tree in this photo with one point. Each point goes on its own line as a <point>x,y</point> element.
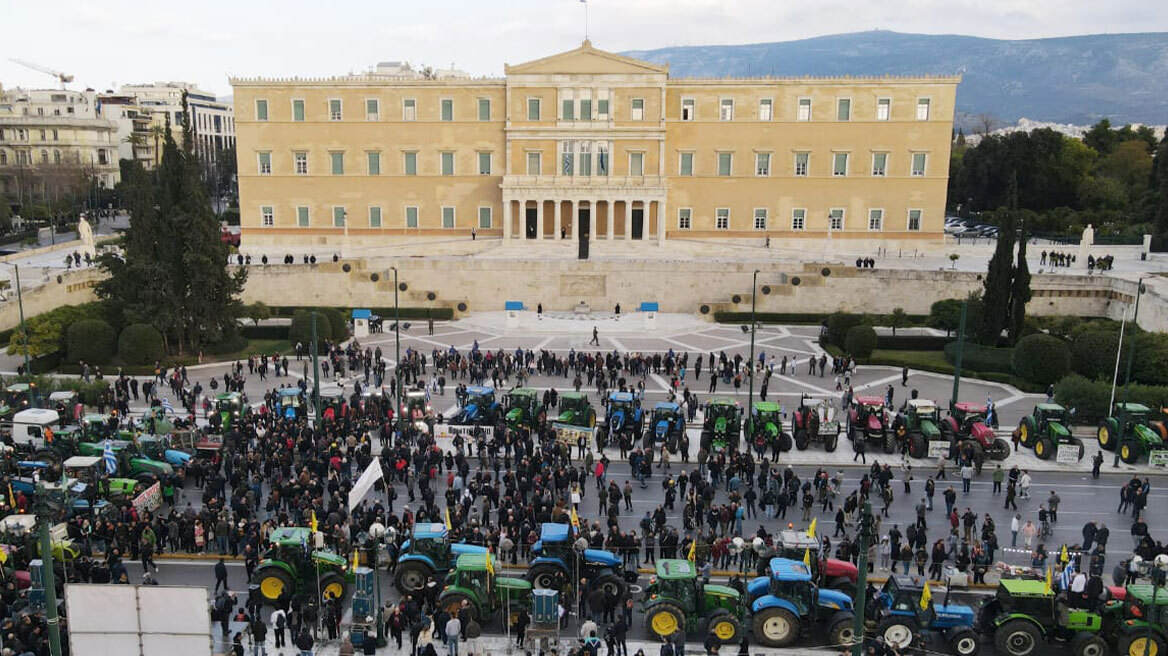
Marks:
<point>1020,289</point>
<point>999,278</point>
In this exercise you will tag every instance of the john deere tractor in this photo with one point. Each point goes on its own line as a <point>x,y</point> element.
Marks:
<point>668,425</point>
<point>674,600</point>
<point>920,425</point>
<point>479,407</point>
<point>868,420</point>
<point>292,565</point>
<point>905,617</point>
<point>427,554</point>
<point>1046,429</point>
<point>1136,436</point>
<point>786,602</point>
<point>765,428</point>
<point>524,408</point>
<point>622,421</point>
<point>1025,615</point>
<point>132,464</point>
<point>966,424</point>
<point>575,410</point>
<point>231,410</point>
<point>475,583</point>
<point>722,427</point>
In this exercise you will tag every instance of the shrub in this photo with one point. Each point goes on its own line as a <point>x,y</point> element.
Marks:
<point>860,341</point>
<point>231,343</point>
<point>1151,362</point>
<point>1093,354</point>
<point>1041,358</point>
<point>911,342</point>
<point>90,340</point>
<point>301,329</point>
<point>839,324</point>
<point>976,357</point>
<point>141,344</point>
<point>1089,397</point>
<point>264,332</point>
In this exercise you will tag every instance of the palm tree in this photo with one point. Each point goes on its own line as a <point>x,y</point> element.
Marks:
<point>136,141</point>
<point>158,132</point>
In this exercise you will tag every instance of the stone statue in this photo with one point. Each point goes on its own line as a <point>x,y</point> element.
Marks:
<point>85,233</point>
<point>1085,244</point>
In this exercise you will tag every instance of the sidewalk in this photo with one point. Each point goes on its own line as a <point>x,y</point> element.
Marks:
<point>497,645</point>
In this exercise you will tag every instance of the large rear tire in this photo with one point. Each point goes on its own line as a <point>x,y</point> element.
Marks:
<point>889,439</point>
<point>276,585</point>
<point>841,629</point>
<point>1129,451</point>
<point>785,442</point>
<point>411,576</point>
<point>1044,448</point>
<point>1106,438</point>
<point>1136,644</point>
<point>1085,643</point>
<point>830,442</point>
<point>333,586</point>
<point>612,583</point>
<point>917,446</point>
<point>1026,431</point>
<point>545,576</point>
<point>898,630</point>
<point>999,449</point>
<point>1017,638</point>
<point>802,439</point>
<point>663,620</point>
<point>724,626</point>
<point>452,603</point>
<point>775,627</point>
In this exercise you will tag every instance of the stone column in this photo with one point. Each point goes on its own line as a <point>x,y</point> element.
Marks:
<point>506,218</point>
<point>573,219</point>
<point>628,219</point>
<point>539,219</point>
<point>611,220</point>
<point>556,217</point>
<point>661,218</point>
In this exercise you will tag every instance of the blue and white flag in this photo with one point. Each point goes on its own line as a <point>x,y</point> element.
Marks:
<point>167,406</point>
<point>111,462</point>
<point>1067,576</point>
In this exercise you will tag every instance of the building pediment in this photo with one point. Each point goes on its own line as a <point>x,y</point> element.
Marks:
<point>586,60</point>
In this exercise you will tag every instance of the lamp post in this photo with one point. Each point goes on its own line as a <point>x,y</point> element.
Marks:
<point>960,352</point>
<point>23,328</point>
<point>397,355</point>
<point>1131,351</point>
<point>47,574</point>
<point>750,369</point>
<point>315,376</point>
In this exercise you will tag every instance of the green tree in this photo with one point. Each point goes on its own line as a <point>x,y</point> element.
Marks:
<point>1160,184</point>
<point>945,315</point>
<point>1101,137</point>
<point>5,215</point>
<point>999,278</point>
<point>1020,287</point>
<point>258,312</point>
<point>1130,164</point>
<point>860,341</point>
<point>898,319</point>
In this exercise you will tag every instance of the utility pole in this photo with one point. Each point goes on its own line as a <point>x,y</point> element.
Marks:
<point>48,578</point>
<point>750,365</point>
<point>867,523</point>
<point>397,356</point>
<point>1131,352</point>
<point>23,328</point>
<point>960,352</point>
<point>315,376</point>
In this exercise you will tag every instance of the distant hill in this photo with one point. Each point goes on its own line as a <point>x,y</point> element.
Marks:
<point>1077,79</point>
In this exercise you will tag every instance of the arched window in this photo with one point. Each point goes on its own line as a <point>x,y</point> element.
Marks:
<point>3,157</point>
<point>56,157</point>
<point>45,156</point>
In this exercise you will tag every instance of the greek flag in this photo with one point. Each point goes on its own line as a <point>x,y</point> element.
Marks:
<point>111,462</point>
<point>167,406</point>
<point>1067,576</point>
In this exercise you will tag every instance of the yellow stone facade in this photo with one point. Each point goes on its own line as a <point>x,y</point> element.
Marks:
<point>589,143</point>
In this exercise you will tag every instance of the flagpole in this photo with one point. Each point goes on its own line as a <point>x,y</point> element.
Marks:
<point>585,19</point>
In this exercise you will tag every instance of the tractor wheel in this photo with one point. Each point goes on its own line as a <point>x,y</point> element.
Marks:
<point>333,586</point>
<point>1044,448</point>
<point>830,442</point>
<point>999,449</point>
<point>802,439</point>
<point>1017,638</point>
<point>964,641</point>
<point>611,583</point>
<point>785,442</point>
<point>276,585</point>
<point>917,446</point>
<point>898,630</point>
<point>724,626</point>
<point>775,627</point>
<point>665,619</point>
<point>1105,436</point>
<point>987,614</point>
<point>1136,644</point>
<point>591,423</point>
<point>545,576</point>
<point>1085,643</point>
<point>889,439</point>
<point>1026,431</point>
<point>1079,443</point>
<point>841,629</point>
<point>1129,451</point>
<point>412,576</point>
<point>452,603</point>
<point>844,585</point>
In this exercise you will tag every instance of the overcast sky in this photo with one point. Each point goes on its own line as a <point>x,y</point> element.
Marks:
<point>109,42</point>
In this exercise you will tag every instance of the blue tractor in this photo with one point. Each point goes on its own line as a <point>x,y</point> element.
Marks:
<point>479,407</point>
<point>428,555</point>
<point>622,420</point>
<point>668,424</point>
<point>786,603</point>
<point>904,621</point>
<point>559,563</point>
<point>291,403</point>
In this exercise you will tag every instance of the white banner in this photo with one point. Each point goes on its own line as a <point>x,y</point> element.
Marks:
<point>449,431</point>
<point>570,435</point>
<point>1068,454</point>
<point>1158,458</point>
<point>150,498</point>
<point>938,449</point>
<point>371,475</point>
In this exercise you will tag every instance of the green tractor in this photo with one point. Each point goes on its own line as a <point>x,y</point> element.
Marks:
<point>132,464</point>
<point>765,428</point>
<point>17,397</point>
<point>674,600</point>
<point>1024,615</point>
<point>474,582</point>
<point>524,408</point>
<point>575,410</point>
<point>1144,629</point>
<point>292,565</point>
<point>920,424</point>
<point>1046,429</point>
<point>230,409</point>
<point>722,426</point>
<point>1137,436</point>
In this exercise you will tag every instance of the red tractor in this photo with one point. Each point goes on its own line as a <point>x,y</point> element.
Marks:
<point>966,423</point>
<point>868,420</point>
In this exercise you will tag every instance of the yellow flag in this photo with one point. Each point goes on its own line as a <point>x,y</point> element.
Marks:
<point>312,522</point>
<point>1064,556</point>
<point>926,597</point>
<point>448,524</point>
<point>693,551</point>
<point>811,528</point>
<point>1049,590</point>
<point>3,555</point>
<point>490,565</point>
<point>807,558</point>
<point>575,519</point>
<point>356,560</point>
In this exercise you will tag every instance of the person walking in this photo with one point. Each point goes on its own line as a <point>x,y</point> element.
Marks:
<point>220,576</point>
<point>1015,526</point>
<point>966,477</point>
<point>1011,492</point>
<point>595,336</point>
<point>453,631</point>
<point>1024,485</point>
<point>279,624</point>
<point>999,476</point>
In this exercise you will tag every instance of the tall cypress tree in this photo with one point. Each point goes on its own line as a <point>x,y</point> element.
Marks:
<point>1020,289</point>
<point>998,280</point>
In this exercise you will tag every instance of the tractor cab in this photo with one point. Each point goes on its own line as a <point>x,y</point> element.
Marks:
<point>1052,417</point>
<point>416,408</point>
<point>722,424</point>
<point>791,580</point>
<point>160,448</point>
<point>1138,604</point>
<point>331,398</point>
<point>475,581</point>
<point>17,397</point>
<point>869,412</point>
<point>623,407</point>
<point>675,600</point>
<point>766,424</point>
<point>826,572</point>
<point>968,415</point>
<point>230,409</point>
<point>431,541</point>
<point>667,418</point>
<point>575,410</point>
<point>901,596</point>
<point>523,407</point>
<point>919,410</point>
<point>478,406</point>
<point>291,403</point>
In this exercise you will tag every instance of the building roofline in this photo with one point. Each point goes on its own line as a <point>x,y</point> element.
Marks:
<point>362,81</point>
<point>824,79</point>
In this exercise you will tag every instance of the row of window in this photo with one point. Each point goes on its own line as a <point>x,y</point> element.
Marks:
<point>25,157</point>
<point>578,105</point>
<point>836,218</point>
<point>577,158</point>
<point>21,134</point>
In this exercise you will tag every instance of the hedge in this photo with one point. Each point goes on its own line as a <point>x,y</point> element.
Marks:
<point>1041,358</point>
<point>1093,353</point>
<point>911,342</point>
<point>1089,398</point>
<point>301,329</point>
<point>92,341</point>
<point>140,344</point>
<point>976,357</point>
<point>437,314</point>
<point>860,341</point>
<point>1151,362</point>
<point>264,332</point>
<point>839,324</point>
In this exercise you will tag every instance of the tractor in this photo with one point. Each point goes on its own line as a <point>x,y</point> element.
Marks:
<point>920,425</point>
<point>787,600</point>
<point>966,423</point>
<point>623,420</point>
<point>132,464</point>
<point>17,397</point>
<point>1138,435</point>
<point>331,398</point>
<point>868,420</point>
<point>427,554</point>
<point>523,408</point>
<point>904,617</point>
<point>475,583</point>
<point>1025,614</point>
<point>291,403</point>
<point>765,428</point>
<point>830,573</point>
<point>1046,429</point>
<point>668,424</point>
<point>293,564</point>
<point>231,410</point>
<point>155,422</point>
<point>417,410</point>
<point>675,600</point>
<point>559,561</point>
<point>90,470</point>
<point>160,448</point>
<point>815,421</point>
<point>722,427</point>
<point>1144,629</point>
<point>479,407</point>
<point>575,410</point>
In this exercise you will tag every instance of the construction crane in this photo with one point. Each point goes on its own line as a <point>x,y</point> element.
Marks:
<point>61,77</point>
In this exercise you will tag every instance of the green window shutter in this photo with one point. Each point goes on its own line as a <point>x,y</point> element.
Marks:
<point>297,110</point>
<point>569,110</point>
<point>447,109</point>
<point>585,110</point>
<point>724,161</point>
<point>338,217</point>
<point>602,107</point>
<point>484,217</point>
<point>261,110</point>
<point>484,109</point>
<point>411,163</point>
<point>338,161</point>
<point>447,217</point>
<point>686,164</point>
<point>374,163</point>
<point>411,217</point>
<point>484,163</point>
<point>533,109</point>
<point>302,217</point>
<point>447,163</point>
<point>374,217</point>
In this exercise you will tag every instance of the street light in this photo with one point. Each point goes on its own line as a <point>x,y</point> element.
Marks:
<point>397,355</point>
<point>23,328</point>
<point>1131,350</point>
<point>750,370</point>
